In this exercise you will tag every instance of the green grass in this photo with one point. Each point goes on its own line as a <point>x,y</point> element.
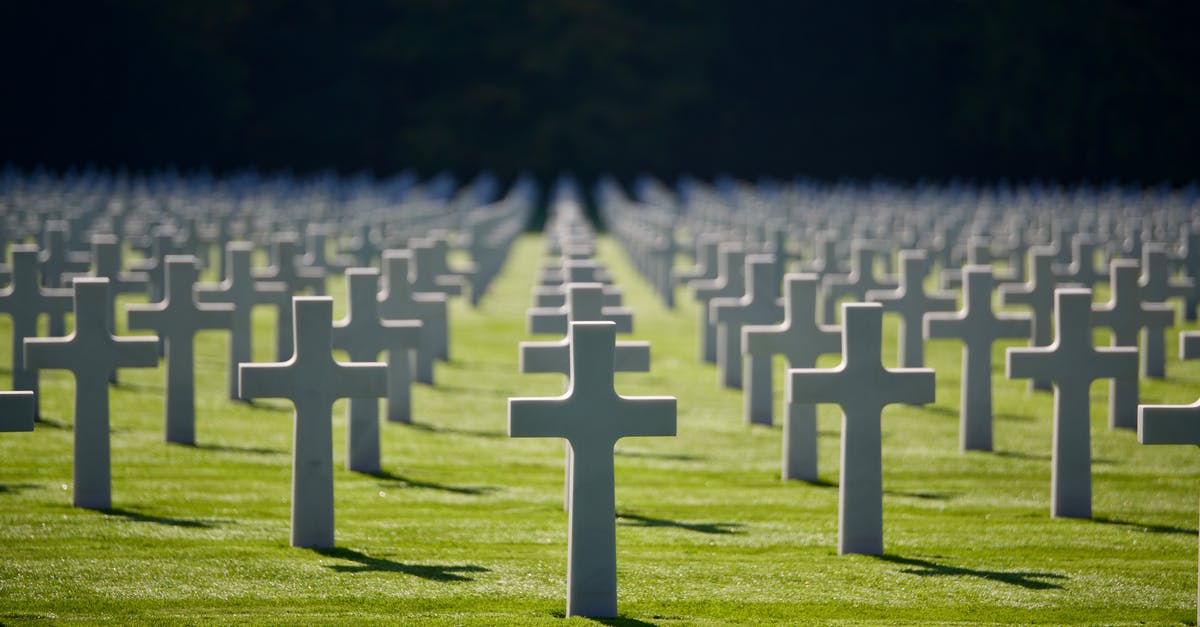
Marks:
<point>465,526</point>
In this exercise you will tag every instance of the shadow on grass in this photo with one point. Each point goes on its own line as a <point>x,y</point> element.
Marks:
<point>1033,457</point>
<point>18,488</point>
<point>722,528</point>
<point>366,564</point>
<point>475,433</point>
<point>42,422</point>
<point>613,620</point>
<point>924,495</point>
<point>1024,579</point>
<point>667,456</point>
<point>1146,527</point>
<point>400,481</point>
<point>233,448</point>
<point>474,391</point>
<point>133,516</point>
<point>282,407</point>
<point>138,387</point>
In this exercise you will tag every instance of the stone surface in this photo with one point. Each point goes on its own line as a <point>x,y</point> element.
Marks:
<point>17,411</point>
<point>759,305</point>
<point>91,352</point>
<point>176,319</point>
<point>910,301</point>
<point>1071,363</point>
<point>24,300</point>
<point>978,327</point>
<point>801,340</point>
<point>591,416</point>
<point>862,387</point>
<point>397,301</point>
<point>1038,294</point>
<point>554,320</point>
<point>730,281</point>
<point>312,380</point>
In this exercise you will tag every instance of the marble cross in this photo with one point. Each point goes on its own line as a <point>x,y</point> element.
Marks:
<point>801,340</point>
<point>243,292</point>
<point>705,268</point>
<point>730,281</point>
<point>56,262</point>
<point>91,352</point>
<point>591,416</point>
<point>1071,363</point>
<point>17,411</point>
<point>862,387</point>
<point>858,282</point>
<point>312,380</point>
<point>1156,287</point>
<point>397,301</point>
<point>759,305</point>
<point>910,301</point>
<point>554,320</point>
<point>1128,318</point>
<point>176,319</point>
<point>24,300</point>
<point>978,327</point>
<point>363,334</point>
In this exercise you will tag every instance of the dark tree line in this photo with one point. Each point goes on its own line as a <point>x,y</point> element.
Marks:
<point>1091,89</point>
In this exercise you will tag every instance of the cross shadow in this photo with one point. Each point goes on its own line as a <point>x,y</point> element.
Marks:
<point>138,387</point>
<point>232,448</point>
<point>637,520</point>
<point>477,433</point>
<point>50,423</point>
<point>133,516</point>
<point>1146,527</point>
<point>400,481</point>
<point>666,456</point>
<point>816,483</point>
<point>924,495</point>
<point>476,391</point>
<point>621,621</point>
<point>1013,417</point>
<point>366,564</point>
<point>926,568</point>
<point>1022,455</point>
<point>282,407</point>
<point>17,488</point>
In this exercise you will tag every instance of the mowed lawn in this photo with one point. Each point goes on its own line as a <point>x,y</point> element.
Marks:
<point>465,525</point>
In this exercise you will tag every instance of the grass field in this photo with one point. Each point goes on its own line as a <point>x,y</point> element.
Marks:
<point>465,525</point>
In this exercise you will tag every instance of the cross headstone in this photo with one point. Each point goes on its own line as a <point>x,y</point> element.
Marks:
<point>759,305</point>
<point>1156,287</point>
<point>978,327</point>
<point>1082,269</point>
<point>56,262</point>
<point>1071,363</point>
<point>1170,424</point>
<point>286,267</point>
<point>312,380</point>
<point>801,340</point>
<point>24,300</point>
<point>397,301</point>
<point>730,281</point>
<point>862,387</point>
<point>17,411</point>
<point>858,282</point>
<point>363,334</point>
<point>176,319</point>
<point>90,352</point>
<point>1128,318</point>
<point>910,301</point>
<point>555,320</point>
<point>1189,345</point>
<point>591,416</point>
<point>1038,294</point>
<point>240,290</point>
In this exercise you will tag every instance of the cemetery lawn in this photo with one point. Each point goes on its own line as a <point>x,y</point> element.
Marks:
<point>465,525</point>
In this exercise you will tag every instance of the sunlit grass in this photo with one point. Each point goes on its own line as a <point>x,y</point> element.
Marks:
<point>465,526</point>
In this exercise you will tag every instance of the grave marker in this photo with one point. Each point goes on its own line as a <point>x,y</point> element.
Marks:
<point>862,387</point>
<point>312,380</point>
<point>912,303</point>
<point>90,352</point>
<point>24,300</point>
<point>1071,363</point>
<point>730,281</point>
<point>17,411</point>
<point>759,305</point>
<point>397,301</point>
<point>1038,294</point>
<point>591,416</point>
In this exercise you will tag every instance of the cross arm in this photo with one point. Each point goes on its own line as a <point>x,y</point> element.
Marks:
<point>274,380</point>
<point>144,316</point>
<point>912,386</point>
<point>1014,326</point>
<point>52,352</point>
<point>533,417</point>
<point>1031,362</point>
<point>1169,424</point>
<point>815,385</point>
<point>360,380</point>
<point>136,352</point>
<point>1189,345</point>
<point>1115,361</point>
<point>17,411</point>
<point>762,340</point>
<point>547,321</point>
<point>942,324</point>
<point>646,416</point>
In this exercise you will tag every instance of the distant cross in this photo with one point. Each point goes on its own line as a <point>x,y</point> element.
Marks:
<point>24,300</point>
<point>17,411</point>
<point>862,387</point>
<point>176,319</point>
<point>1191,265</point>
<point>591,416</point>
<point>56,261</point>
<point>759,305</point>
<point>911,302</point>
<point>90,352</point>
<point>1157,286</point>
<point>978,327</point>
<point>730,281</point>
<point>1037,294</point>
<point>397,301</point>
<point>801,340</point>
<point>312,380</point>
<point>241,290</point>
<point>1128,317</point>
<point>430,271</point>
<point>858,282</point>
<point>1082,269</point>
<point>283,269</point>
<point>1071,363</point>
<point>162,244</point>
<point>575,271</point>
<point>1189,345</point>
<point>554,320</point>
<point>556,295</point>
<point>705,266</point>
<point>363,334</point>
